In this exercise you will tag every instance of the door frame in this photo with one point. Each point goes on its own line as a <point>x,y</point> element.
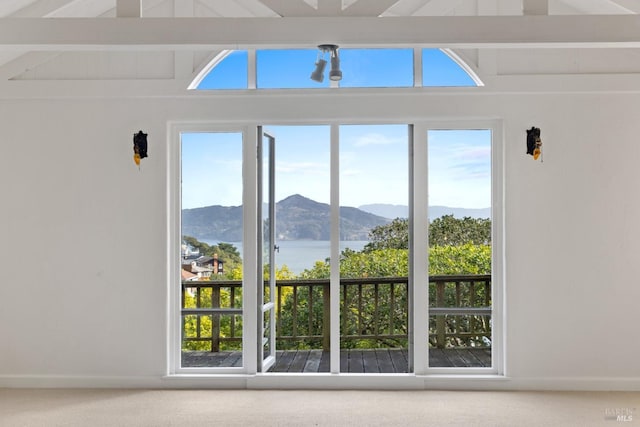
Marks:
<point>498,306</point>
<point>418,282</point>
<point>249,253</point>
<point>266,142</point>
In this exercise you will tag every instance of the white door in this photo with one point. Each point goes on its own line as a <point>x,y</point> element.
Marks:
<point>266,252</point>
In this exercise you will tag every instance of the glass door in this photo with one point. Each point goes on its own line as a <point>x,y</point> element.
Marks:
<point>357,195</point>
<point>460,248</point>
<point>266,252</point>
<point>301,159</point>
<point>374,248</point>
<point>210,292</point>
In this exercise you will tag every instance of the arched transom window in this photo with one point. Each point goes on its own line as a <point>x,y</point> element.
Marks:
<point>361,68</point>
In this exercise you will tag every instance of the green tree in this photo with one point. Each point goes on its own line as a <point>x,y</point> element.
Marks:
<point>230,251</point>
<point>282,273</point>
<point>361,317</point>
<point>461,259</point>
<point>443,260</point>
<point>194,243</point>
<point>450,231</point>
<point>320,270</point>
<point>443,231</point>
<point>394,235</point>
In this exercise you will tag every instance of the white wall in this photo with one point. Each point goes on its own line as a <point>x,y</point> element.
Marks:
<point>84,283</point>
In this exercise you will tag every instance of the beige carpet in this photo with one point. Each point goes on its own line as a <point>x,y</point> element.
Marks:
<point>95,408</point>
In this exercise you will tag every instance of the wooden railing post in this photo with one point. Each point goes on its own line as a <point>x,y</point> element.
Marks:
<point>294,312</point>
<point>232,304</point>
<point>215,320</point>
<point>472,303</point>
<point>326,317</point>
<point>440,320</point>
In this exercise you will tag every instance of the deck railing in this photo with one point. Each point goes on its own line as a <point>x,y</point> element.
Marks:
<point>373,312</point>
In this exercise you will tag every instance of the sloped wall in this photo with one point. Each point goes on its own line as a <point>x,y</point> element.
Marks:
<point>83,293</point>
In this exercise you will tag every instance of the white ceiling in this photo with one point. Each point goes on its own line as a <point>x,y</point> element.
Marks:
<point>16,64</point>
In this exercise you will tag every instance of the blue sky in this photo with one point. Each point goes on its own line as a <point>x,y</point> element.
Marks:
<point>460,168</point>
<point>373,166</point>
<point>211,169</point>
<point>373,158</point>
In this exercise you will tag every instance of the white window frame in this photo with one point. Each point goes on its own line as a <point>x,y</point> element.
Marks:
<point>422,375</point>
<point>249,255</point>
<point>498,315</point>
<point>418,67</point>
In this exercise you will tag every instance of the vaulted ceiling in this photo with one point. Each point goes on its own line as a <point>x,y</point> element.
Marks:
<point>29,57</point>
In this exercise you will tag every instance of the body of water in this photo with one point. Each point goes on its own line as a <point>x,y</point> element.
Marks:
<point>299,255</point>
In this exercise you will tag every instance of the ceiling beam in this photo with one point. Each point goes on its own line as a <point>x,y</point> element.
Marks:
<point>437,8</point>
<point>158,88</point>
<point>233,33</point>
<point>183,59</point>
<point>329,7</point>
<point>128,9</point>
<point>406,7</point>
<point>369,7</point>
<point>535,7</point>
<point>289,8</point>
<point>42,8</point>
<point>595,7</point>
<point>37,9</point>
<point>633,6</point>
<point>24,63</point>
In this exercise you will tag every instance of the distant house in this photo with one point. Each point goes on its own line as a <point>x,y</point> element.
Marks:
<point>203,266</point>
<point>192,267</point>
<point>188,252</point>
<point>216,265</point>
<point>188,276</point>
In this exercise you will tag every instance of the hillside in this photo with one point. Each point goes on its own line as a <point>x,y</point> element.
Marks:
<point>402,211</point>
<point>223,223</point>
<point>298,218</point>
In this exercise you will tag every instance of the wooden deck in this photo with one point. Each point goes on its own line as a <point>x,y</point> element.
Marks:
<point>351,361</point>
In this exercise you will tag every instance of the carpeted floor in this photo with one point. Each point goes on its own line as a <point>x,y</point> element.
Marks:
<point>157,408</point>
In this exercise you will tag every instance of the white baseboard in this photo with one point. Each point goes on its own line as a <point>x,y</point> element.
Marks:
<point>77,381</point>
<point>532,384</point>
<point>325,381</point>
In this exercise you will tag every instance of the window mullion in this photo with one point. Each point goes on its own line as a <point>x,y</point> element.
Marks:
<point>335,250</point>
<point>419,248</point>
<point>417,67</point>
<point>251,69</point>
<point>250,250</point>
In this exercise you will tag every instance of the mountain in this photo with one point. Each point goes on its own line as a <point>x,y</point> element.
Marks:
<point>387,211</point>
<point>297,218</point>
<point>200,223</point>
<point>401,211</point>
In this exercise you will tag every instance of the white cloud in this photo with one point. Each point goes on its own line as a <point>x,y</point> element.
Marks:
<point>376,139</point>
<point>291,167</point>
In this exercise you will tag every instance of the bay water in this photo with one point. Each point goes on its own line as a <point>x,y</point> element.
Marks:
<point>299,255</point>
